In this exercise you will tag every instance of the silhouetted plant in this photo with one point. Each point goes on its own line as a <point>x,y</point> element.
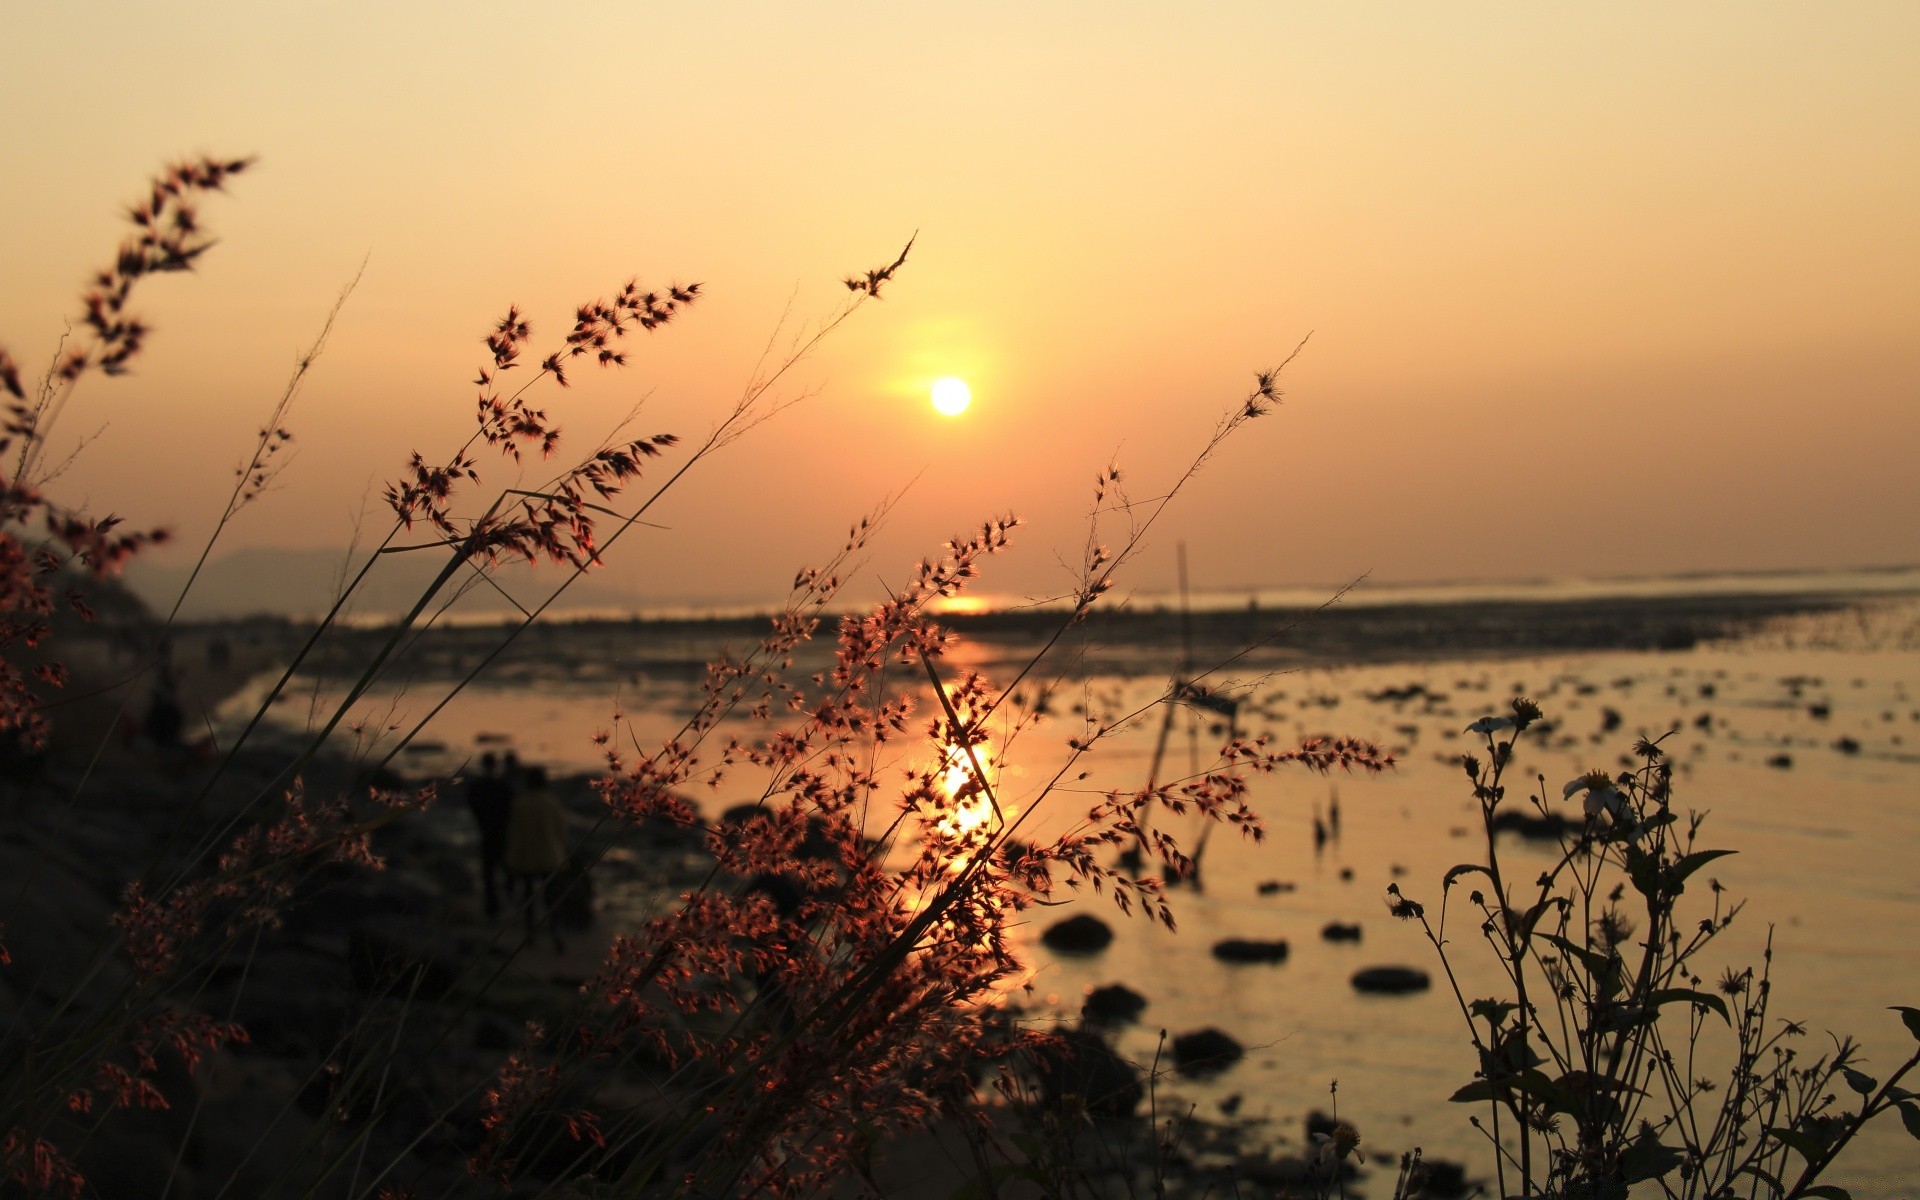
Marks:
<point>1596,1067</point>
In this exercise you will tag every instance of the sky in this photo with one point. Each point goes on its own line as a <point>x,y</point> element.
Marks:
<point>1591,290</point>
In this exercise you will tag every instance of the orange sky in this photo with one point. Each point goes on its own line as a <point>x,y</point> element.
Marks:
<point>1633,288</point>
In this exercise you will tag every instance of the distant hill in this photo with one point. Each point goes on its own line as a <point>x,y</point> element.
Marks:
<point>303,583</point>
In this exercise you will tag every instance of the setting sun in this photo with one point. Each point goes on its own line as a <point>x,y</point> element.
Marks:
<point>951,396</point>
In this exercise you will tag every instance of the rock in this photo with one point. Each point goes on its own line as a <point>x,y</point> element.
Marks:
<point>1551,827</point>
<point>1334,931</point>
<point>1319,1122</point>
<point>1079,1064</point>
<point>1390,981</point>
<point>1245,950</point>
<point>1781,762</point>
<point>1441,1179</point>
<point>1847,745</point>
<point>1078,935</point>
<point>1205,1051</point>
<point>1274,887</point>
<point>1113,1004</point>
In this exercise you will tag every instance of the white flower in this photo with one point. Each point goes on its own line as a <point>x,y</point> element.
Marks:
<point>1490,725</point>
<point>1600,795</point>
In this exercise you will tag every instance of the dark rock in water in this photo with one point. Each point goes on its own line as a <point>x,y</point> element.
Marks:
<point>1245,950</point>
<point>1292,1174</point>
<point>1113,1003</point>
<point>1781,761</point>
<point>1676,637</point>
<point>1346,874</point>
<point>1319,1122</point>
<point>1274,887</point>
<point>1205,1051</point>
<point>1819,712</point>
<point>1078,1063</point>
<point>1334,931</point>
<point>1439,1178</point>
<point>1391,981</point>
<point>739,814</point>
<point>1551,827</point>
<point>1078,935</point>
<point>1847,745</point>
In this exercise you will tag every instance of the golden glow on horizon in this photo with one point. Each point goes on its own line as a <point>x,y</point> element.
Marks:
<point>965,606</point>
<point>951,396</point>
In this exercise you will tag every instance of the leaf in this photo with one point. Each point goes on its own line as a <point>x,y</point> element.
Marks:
<point>1860,1081</point>
<point>1804,1144</point>
<point>1644,869</point>
<point>1829,1192</point>
<point>1597,964</point>
<point>1647,1159</point>
<point>1677,874</point>
<point>1762,1176</point>
<point>1533,916</point>
<point>1910,1117</point>
<point>1702,999</point>
<point>1478,1091</point>
<point>1911,1016</point>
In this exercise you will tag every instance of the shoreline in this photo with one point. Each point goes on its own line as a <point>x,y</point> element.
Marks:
<point>1123,640</point>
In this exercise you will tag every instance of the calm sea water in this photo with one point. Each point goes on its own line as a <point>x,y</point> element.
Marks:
<point>1801,742</point>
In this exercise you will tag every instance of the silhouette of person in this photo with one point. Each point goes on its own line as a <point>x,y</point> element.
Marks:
<point>490,796</point>
<point>537,847</point>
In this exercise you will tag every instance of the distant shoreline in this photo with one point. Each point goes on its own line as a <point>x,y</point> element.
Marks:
<point>1130,640</point>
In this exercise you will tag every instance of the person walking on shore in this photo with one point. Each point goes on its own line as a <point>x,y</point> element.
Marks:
<point>490,796</point>
<point>536,848</point>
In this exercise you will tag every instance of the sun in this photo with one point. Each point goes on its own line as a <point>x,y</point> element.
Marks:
<point>951,396</point>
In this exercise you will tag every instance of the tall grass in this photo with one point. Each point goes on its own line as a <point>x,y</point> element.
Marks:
<point>827,983</point>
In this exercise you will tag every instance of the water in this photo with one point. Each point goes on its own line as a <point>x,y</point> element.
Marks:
<point>1808,763</point>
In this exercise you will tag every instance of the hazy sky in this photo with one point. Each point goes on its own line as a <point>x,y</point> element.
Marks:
<point>1594,289</point>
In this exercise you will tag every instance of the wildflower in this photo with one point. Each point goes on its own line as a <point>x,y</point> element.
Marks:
<point>1612,929</point>
<point>1401,908</point>
<point>1490,725</point>
<point>1602,795</point>
<point>1341,1143</point>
